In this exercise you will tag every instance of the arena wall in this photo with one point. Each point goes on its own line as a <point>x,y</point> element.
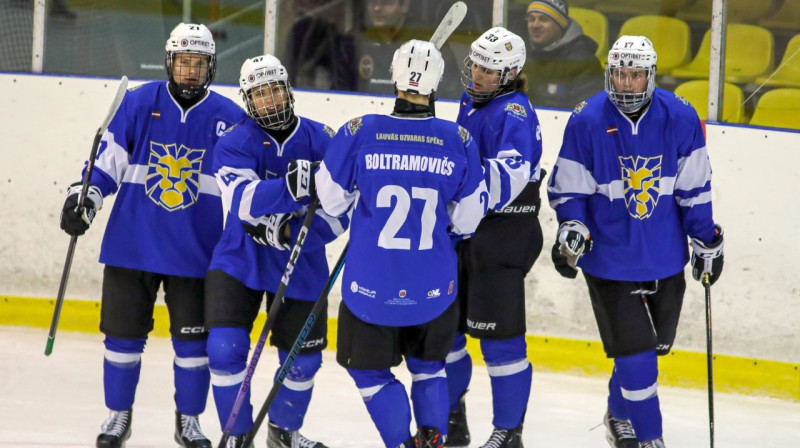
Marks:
<point>48,123</point>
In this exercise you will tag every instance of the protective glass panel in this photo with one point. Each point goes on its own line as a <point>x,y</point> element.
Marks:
<point>348,45</point>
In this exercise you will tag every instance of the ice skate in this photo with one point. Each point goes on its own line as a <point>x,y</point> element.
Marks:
<point>457,429</point>
<point>428,437</point>
<point>619,433</point>
<point>116,430</point>
<point>237,442</point>
<point>657,443</point>
<point>278,438</point>
<point>188,433</point>
<point>505,438</point>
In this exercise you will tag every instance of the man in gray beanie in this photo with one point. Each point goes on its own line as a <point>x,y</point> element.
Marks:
<point>562,67</point>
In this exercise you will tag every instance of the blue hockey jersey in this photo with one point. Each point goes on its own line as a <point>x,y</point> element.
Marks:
<point>250,167</point>
<point>157,157</point>
<point>414,182</point>
<point>640,188</point>
<point>509,137</point>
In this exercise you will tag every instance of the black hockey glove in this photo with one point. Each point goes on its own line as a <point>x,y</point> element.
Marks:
<point>573,241</point>
<point>76,223</point>
<point>708,257</point>
<point>300,178</point>
<point>269,230</point>
<point>560,262</point>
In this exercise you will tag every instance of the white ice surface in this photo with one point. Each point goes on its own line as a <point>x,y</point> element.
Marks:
<point>57,401</point>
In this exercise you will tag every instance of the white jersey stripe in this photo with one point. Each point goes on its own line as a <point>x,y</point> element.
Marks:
<point>137,174</point>
<point>573,178</point>
<point>114,159</point>
<point>694,171</point>
<point>334,199</point>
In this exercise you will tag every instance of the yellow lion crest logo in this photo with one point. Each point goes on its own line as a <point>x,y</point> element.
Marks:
<point>173,175</point>
<point>641,181</point>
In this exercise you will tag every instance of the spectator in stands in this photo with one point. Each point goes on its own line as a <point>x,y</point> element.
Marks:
<point>368,55</point>
<point>562,67</point>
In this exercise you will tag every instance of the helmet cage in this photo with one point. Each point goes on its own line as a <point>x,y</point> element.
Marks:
<point>629,102</point>
<point>277,104</point>
<point>467,81</point>
<point>631,52</point>
<point>191,91</point>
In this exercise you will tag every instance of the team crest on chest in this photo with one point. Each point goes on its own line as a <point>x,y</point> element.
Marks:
<point>641,184</point>
<point>173,175</point>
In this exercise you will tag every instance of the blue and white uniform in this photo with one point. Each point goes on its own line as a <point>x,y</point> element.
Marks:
<point>414,188</point>
<point>250,167</point>
<point>509,138</point>
<point>640,188</point>
<point>158,158</point>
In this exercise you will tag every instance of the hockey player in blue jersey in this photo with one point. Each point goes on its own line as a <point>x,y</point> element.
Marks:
<point>631,183</point>
<point>250,163</point>
<point>167,218</point>
<point>496,111</point>
<point>416,184</point>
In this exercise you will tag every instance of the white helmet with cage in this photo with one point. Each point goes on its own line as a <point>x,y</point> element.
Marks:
<point>264,86</point>
<point>195,39</point>
<point>635,52</point>
<point>417,67</point>
<point>497,51</point>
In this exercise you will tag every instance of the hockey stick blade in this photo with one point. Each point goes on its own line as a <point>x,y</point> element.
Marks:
<point>62,288</point>
<point>449,23</point>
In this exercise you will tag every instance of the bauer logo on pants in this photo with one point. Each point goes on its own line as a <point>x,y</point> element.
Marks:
<point>173,175</point>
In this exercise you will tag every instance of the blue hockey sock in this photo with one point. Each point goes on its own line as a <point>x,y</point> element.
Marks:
<point>459,370</point>
<point>429,393</point>
<point>291,402</point>
<point>122,363</point>
<point>510,374</point>
<point>387,404</point>
<point>227,358</point>
<point>616,404</point>
<point>638,379</point>
<point>191,376</point>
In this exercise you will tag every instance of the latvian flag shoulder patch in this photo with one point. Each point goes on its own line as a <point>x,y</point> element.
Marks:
<point>611,130</point>
<point>156,114</point>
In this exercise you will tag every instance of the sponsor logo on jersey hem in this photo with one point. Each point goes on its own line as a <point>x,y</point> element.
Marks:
<point>433,293</point>
<point>358,289</point>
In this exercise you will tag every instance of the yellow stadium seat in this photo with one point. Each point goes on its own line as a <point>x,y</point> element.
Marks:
<point>671,38</point>
<point>739,11</point>
<point>786,17</point>
<point>748,54</point>
<point>640,7</point>
<point>697,94</point>
<point>788,72</point>
<point>778,108</point>
<point>595,25</point>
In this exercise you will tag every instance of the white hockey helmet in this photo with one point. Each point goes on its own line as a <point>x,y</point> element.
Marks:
<point>417,67</point>
<point>631,52</point>
<point>264,86</point>
<point>498,50</point>
<point>196,39</point>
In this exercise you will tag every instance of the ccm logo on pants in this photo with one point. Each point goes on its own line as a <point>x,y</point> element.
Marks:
<point>193,330</point>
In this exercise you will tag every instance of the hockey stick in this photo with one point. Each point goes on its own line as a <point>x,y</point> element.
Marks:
<point>710,357</point>
<point>272,315</point>
<point>322,301</point>
<point>62,287</point>
<point>449,23</point>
